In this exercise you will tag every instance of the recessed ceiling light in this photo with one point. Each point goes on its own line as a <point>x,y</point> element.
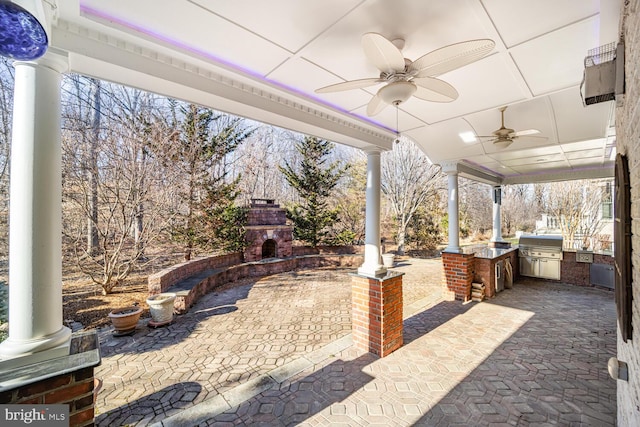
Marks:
<point>468,137</point>
<point>541,160</point>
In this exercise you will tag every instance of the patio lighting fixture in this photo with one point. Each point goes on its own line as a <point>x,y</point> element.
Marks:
<point>502,143</point>
<point>397,92</point>
<point>468,137</point>
<point>22,35</point>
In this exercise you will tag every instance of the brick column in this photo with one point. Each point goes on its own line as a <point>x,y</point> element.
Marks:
<point>377,313</point>
<point>458,275</point>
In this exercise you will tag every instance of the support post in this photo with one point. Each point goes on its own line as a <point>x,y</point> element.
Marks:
<point>496,236</point>
<point>372,265</point>
<point>454,226</point>
<point>35,250</point>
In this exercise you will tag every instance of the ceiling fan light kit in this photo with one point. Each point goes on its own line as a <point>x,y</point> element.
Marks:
<point>502,143</point>
<point>405,78</point>
<point>397,92</point>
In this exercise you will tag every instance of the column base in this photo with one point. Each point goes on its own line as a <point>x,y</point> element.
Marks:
<point>66,380</point>
<point>372,270</point>
<point>377,323</point>
<point>24,352</point>
<point>458,270</point>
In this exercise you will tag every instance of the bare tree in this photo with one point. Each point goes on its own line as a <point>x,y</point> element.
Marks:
<point>92,167</point>
<point>6,110</point>
<point>408,179</point>
<point>576,206</point>
<point>475,208</point>
<point>519,209</point>
<point>125,181</point>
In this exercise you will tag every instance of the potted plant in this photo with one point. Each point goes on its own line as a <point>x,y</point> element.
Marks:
<point>125,319</point>
<point>161,308</point>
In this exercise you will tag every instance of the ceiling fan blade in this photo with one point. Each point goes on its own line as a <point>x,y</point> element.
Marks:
<point>375,106</point>
<point>351,84</point>
<point>435,90</point>
<point>382,53</point>
<point>526,132</point>
<point>450,57</point>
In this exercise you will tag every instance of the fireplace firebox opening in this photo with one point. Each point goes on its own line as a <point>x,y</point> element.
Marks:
<point>269,249</point>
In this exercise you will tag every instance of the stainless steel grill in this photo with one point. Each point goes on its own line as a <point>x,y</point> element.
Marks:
<point>540,256</point>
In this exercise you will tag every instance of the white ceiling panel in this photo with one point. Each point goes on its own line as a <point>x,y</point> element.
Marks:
<point>589,161</point>
<point>514,153</point>
<point>486,84</point>
<point>584,154</point>
<point>204,33</point>
<point>520,21</point>
<point>555,61</point>
<point>583,145</point>
<point>540,167</point>
<point>299,73</point>
<point>576,122</point>
<point>287,26</point>
<point>558,157</point>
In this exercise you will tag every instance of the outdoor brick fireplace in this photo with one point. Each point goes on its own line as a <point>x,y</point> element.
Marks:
<point>267,232</point>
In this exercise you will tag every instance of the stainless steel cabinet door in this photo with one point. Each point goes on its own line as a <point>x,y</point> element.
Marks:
<point>549,268</point>
<point>527,266</point>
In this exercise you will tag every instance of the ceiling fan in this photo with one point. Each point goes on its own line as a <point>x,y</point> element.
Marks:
<point>503,137</point>
<point>405,78</point>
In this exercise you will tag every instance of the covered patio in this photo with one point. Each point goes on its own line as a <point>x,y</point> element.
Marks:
<point>265,63</point>
<point>534,354</point>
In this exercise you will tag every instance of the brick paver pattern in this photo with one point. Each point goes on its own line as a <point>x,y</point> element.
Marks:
<point>534,355</point>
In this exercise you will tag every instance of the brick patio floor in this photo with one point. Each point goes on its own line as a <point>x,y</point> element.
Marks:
<point>276,352</point>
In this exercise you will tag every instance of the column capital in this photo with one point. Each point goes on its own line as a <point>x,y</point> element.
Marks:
<point>54,59</point>
<point>372,151</point>
<point>449,167</point>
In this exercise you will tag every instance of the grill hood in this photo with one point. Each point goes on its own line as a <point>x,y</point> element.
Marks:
<point>548,241</point>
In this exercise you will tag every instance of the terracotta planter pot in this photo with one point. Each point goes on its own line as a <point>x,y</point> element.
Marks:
<point>125,319</point>
<point>161,307</point>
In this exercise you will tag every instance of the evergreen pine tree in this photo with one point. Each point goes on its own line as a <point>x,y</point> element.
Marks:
<point>313,179</point>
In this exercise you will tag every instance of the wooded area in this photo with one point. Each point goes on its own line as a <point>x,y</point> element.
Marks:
<point>145,175</point>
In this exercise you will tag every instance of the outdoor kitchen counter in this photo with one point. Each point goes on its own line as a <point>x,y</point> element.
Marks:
<point>490,267</point>
<point>491,253</point>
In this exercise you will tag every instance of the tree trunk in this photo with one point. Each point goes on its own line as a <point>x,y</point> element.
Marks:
<point>92,170</point>
<point>139,220</point>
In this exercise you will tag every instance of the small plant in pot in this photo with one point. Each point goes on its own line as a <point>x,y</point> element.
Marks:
<point>125,319</point>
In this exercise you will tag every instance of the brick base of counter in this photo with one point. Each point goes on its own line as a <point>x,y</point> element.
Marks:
<point>458,275</point>
<point>377,313</point>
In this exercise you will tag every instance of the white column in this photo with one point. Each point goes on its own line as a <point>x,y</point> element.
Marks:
<point>454,224</point>
<point>496,235</point>
<point>35,249</point>
<point>372,265</point>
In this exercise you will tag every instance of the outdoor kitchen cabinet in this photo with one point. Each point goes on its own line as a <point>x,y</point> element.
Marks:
<point>540,267</point>
<point>540,256</point>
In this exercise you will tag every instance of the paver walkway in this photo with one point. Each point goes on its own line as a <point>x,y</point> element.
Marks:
<point>277,352</point>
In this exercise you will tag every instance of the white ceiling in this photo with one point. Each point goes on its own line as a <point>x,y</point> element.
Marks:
<point>263,59</point>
